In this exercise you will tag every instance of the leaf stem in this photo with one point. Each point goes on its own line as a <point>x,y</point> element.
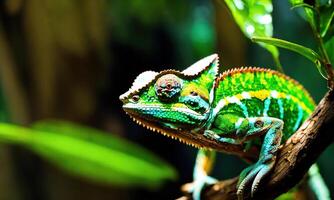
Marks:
<point>322,48</point>
<point>305,5</point>
<point>278,64</point>
<point>325,61</point>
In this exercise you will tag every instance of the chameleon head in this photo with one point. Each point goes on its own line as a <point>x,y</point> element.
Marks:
<point>173,102</point>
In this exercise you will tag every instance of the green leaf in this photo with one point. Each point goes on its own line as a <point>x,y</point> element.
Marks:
<point>326,12</point>
<point>319,15</point>
<point>254,19</point>
<point>309,12</point>
<point>304,51</point>
<point>90,153</point>
<point>329,46</point>
<point>296,2</point>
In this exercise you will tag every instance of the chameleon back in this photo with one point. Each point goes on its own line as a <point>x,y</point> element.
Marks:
<point>256,92</point>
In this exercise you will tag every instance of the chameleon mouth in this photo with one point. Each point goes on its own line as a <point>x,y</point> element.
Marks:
<point>179,135</point>
<point>133,108</point>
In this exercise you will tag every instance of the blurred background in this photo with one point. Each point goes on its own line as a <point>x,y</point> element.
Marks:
<point>70,60</point>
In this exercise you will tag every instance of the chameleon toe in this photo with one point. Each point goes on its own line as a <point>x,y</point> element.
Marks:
<point>243,175</point>
<point>199,185</point>
<point>253,176</point>
<point>260,175</point>
<point>248,180</point>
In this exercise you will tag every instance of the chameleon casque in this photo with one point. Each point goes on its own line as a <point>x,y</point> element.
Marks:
<point>248,112</point>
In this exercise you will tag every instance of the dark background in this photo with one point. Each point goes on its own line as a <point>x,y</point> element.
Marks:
<point>71,59</point>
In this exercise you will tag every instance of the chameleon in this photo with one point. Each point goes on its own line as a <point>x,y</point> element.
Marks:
<point>248,112</point>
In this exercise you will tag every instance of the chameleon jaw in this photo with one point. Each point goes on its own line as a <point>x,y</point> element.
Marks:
<point>169,133</point>
<point>183,134</point>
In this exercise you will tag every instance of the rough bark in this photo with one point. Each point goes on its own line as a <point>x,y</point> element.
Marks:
<point>293,160</point>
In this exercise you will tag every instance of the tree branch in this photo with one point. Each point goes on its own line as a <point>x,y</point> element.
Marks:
<point>293,160</point>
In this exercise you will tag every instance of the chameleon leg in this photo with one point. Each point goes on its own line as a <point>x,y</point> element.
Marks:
<point>272,129</point>
<point>203,166</point>
<point>317,184</point>
<point>234,129</point>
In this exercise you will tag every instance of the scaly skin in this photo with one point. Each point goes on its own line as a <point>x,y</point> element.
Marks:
<point>247,112</point>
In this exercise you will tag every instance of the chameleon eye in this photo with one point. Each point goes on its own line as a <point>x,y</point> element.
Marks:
<point>135,98</point>
<point>168,87</point>
<point>193,93</point>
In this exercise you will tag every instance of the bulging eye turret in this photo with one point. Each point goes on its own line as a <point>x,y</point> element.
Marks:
<point>168,87</point>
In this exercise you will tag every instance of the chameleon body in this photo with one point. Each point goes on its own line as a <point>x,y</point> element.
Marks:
<point>248,112</point>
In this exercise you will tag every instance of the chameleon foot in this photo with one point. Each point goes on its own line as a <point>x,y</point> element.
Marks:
<point>213,136</point>
<point>203,166</point>
<point>252,175</point>
<point>199,184</point>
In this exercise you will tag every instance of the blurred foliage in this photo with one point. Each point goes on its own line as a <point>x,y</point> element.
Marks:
<point>189,25</point>
<point>90,153</point>
<point>254,19</point>
<point>3,109</point>
<point>286,196</point>
<point>123,13</point>
<point>201,31</point>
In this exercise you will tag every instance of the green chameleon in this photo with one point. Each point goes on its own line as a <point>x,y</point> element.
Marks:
<point>248,112</point>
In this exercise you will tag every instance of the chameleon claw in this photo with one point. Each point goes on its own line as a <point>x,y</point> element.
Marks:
<point>260,175</point>
<point>211,135</point>
<point>252,175</point>
<point>243,175</point>
<point>246,181</point>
